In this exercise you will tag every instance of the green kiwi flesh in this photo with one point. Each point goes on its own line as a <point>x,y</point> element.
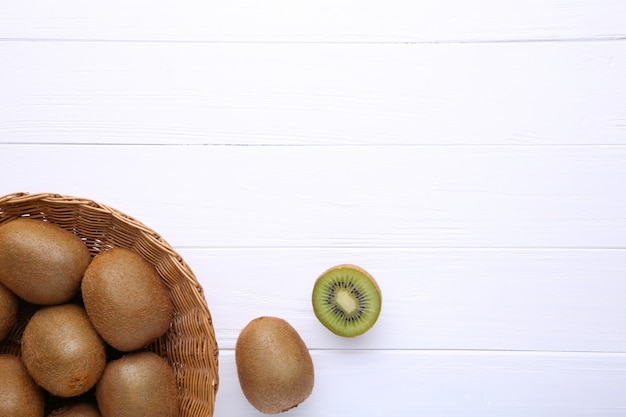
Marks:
<point>346,300</point>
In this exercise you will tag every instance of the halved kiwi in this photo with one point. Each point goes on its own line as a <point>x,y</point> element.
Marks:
<point>347,300</point>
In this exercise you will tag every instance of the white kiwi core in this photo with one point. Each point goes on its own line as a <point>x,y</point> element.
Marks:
<point>346,301</point>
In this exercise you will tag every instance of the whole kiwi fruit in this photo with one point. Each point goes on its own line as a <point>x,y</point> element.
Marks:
<point>80,409</point>
<point>41,262</point>
<point>126,299</point>
<point>19,395</point>
<point>346,300</point>
<point>8,311</point>
<point>139,384</point>
<point>274,366</point>
<point>62,351</point>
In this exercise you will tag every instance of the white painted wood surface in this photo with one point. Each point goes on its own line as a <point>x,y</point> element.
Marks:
<point>300,94</point>
<point>470,155</point>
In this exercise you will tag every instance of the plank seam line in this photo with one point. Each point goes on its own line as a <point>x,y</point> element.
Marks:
<point>468,351</point>
<point>599,38</point>
<point>321,145</point>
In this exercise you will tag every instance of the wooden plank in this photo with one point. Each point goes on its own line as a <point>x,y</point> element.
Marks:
<point>449,384</point>
<point>526,93</point>
<point>461,299</point>
<point>326,196</point>
<point>315,21</point>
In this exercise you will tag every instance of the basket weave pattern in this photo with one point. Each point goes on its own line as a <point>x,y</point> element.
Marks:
<point>189,346</point>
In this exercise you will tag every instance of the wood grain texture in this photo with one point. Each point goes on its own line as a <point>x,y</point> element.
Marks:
<point>320,196</point>
<point>303,94</point>
<point>434,299</point>
<point>457,384</point>
<point>470,155</point>
<point>315,20</point>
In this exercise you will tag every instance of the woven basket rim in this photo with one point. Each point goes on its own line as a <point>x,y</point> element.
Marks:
<point>202,363</point>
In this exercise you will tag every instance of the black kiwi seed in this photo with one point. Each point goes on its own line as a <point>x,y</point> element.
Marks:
<point>347,300</point>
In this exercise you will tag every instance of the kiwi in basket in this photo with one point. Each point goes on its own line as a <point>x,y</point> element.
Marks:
<point>138,384</point>
<point>41,262</point>
<point>347,300</point>
<point>189,346</point>
<point>62,351</point>
<point>274,366</point>
<point>19,395</point>
<point>8,311</point>
<point>126,300</point>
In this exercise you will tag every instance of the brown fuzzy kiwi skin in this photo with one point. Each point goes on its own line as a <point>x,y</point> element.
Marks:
<point>19,395</point>
<point>41,262</point>
<point>8,311</point>
<point>274,366</point>
<point>62,351</point>
<point>136,385</point>
<point>82,409</point>
<point>126,299</point>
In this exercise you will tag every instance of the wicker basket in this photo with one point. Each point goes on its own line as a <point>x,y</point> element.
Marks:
<point>189,345</point>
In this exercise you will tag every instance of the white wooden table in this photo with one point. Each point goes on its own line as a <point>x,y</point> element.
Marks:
<point>469,154</point>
